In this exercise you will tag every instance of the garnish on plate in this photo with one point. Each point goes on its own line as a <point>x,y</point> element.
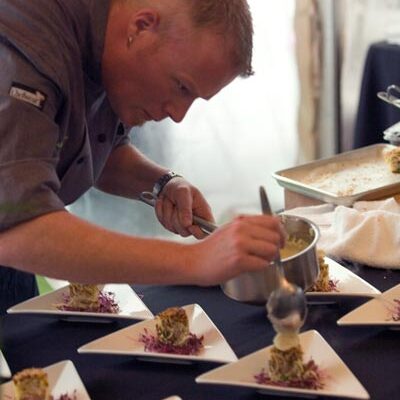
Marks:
<point>323,283</point>
<point>293,245</point>
<point>172,334</point>
<point>396,310</point>
<point>88,298</point>
<point>33,384</point>
<point>65,396</point>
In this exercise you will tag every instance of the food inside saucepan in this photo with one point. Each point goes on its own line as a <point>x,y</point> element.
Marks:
<point>172,334</point>
<point>293,245</point>
<point>88,298</point>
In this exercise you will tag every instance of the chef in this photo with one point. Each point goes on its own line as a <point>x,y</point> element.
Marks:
<point>75,76</point>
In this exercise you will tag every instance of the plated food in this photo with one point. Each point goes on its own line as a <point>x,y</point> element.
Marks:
<point>347,285</point>
<point>68,302</point>
<point>285,364</point>
<point>59,381</point>
<point>175,335</point>
<point>89,298</point>
<point>172,334</point>
<point>324,282</point>
<point>31,383</point>
<point>339,381</point>
<point>383,310</point>
<point>286,367</point>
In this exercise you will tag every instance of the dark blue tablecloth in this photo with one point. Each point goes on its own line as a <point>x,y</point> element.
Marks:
<point>382,69</point>
<point>372,353</point>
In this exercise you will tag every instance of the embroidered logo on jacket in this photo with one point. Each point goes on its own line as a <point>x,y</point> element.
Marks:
<point>28,94</point>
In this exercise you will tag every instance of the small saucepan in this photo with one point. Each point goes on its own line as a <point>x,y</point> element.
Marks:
<point>301,267</point>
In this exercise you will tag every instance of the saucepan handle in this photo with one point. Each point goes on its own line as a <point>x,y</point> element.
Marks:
<point>206,226</point>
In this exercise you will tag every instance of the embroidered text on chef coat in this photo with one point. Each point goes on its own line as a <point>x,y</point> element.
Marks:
<point>25,93</point>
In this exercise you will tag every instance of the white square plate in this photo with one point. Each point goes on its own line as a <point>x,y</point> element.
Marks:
<point>348,285</point>
<point>63,378</point>
<point>173,398</point>
<point>340,381</point>
<point>131,306</point>
<point>374,312</point>
<point>126,341</point>
<point>4,368</point>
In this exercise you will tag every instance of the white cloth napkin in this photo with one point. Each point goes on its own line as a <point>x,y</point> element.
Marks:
<point>368,233</point>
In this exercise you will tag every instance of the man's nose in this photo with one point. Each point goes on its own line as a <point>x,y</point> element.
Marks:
<point>178,109</point>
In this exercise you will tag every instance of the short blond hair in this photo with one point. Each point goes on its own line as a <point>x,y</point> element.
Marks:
<point>232,18</point>
<point>229,18</point>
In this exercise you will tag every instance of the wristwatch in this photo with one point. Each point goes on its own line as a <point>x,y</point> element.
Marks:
<point>162,181</point>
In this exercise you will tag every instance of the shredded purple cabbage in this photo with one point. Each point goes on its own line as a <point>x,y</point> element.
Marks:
<point>315,378</point>
<point>396,311</point>
<point>333,285</point>
<point>65,396</point>
<point>106,304</point>
<point>193,345</point>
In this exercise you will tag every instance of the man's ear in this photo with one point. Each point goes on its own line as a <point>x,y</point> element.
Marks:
<point>144,20</point>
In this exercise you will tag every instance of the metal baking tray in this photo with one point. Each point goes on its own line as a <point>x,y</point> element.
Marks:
<point>360,174</point>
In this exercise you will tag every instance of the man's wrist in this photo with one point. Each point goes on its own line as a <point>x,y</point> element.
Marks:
<point>162,181</point>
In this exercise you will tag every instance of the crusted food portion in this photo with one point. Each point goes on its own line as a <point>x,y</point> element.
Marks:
<point>173,326</point>
<point>31,384</point>
<point>392,158</point>
<point>83,297</point>
<point>286,365</point>
<point>322,282</point>
<point>286,368</point>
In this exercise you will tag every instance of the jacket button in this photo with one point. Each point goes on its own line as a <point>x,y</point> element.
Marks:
<point>80,160</point>
<point>101,138</point>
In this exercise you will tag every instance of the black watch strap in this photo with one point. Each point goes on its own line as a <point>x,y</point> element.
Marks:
<point>163,180</point>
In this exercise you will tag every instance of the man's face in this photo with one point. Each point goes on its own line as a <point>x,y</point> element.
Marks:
<point>158,77</point>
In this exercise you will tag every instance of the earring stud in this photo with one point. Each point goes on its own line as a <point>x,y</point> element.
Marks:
<point>130,41</point>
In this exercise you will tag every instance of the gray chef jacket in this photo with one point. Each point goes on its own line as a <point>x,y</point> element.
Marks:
<point>57,128</point>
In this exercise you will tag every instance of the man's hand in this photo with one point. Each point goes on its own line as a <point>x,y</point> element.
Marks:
<point>248,243</point>
<point>176,205</point>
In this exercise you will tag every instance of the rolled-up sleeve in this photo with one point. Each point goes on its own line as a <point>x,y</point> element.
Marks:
<point>29,139</point>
